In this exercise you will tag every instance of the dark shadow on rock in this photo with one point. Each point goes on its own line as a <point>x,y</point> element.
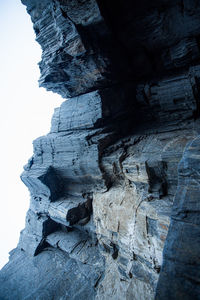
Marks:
<point>54,183</point>
<point>80,214</point>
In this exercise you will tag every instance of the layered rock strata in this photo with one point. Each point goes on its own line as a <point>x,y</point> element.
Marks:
<point>102,182</point>
<point>181,254</point>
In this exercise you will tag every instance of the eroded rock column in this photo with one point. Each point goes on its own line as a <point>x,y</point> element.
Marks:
<point>180,273</point>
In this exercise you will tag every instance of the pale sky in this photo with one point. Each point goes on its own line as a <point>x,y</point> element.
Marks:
<point>25,114</point>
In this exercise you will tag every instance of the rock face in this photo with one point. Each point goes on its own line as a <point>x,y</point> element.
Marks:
<point>181,255</point>
<point>103,181</point>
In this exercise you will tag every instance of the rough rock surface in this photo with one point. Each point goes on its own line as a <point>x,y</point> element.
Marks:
<point>181,255</point>
<point>103,181</point>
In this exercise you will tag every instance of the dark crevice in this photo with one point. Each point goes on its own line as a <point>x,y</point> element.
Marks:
<point>80,214</point>
<point>196,93</point>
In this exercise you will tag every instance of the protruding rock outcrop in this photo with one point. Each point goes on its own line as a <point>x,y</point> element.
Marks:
<point>180,271</point>
<point>102,182</point>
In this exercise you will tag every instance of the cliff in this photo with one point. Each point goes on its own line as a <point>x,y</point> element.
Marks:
<point>121,163</point>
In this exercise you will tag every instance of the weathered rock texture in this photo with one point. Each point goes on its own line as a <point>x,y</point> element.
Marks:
<point>102,182</point>
<point>181,255</point>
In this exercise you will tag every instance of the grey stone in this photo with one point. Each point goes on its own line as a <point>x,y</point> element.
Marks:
<point>180,270</point>
<point>49,275</point>
<point>103,181</point>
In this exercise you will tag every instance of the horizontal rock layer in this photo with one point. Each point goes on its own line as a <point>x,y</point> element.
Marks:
<point>103,181</point>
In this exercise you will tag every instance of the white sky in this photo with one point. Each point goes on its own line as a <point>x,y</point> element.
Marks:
<point>25,114</point>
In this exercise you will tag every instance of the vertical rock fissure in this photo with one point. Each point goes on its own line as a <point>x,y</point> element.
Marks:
<point>103,180</point>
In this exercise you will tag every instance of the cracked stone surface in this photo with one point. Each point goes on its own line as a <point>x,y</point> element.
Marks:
<point>116,179</point>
